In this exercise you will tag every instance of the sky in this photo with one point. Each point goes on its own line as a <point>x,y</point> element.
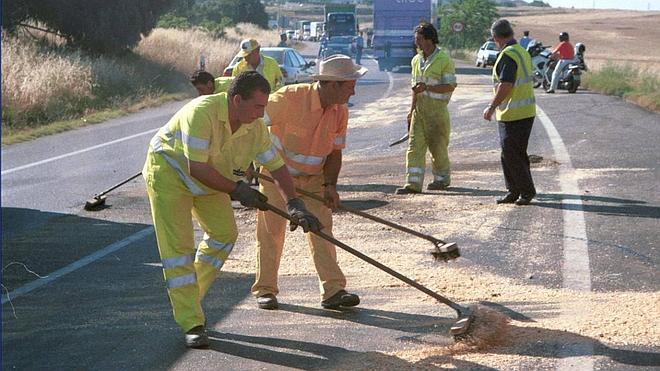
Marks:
<point>606,4</point>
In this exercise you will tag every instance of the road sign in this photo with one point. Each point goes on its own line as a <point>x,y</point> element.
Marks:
<point>457,26</point>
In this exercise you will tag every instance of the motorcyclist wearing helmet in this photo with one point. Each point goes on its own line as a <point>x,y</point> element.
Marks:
<point>565,54</point>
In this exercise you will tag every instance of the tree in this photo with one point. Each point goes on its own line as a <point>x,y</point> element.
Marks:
<point>476,15</point>
<point>96,25</point>
<point>217,14</point>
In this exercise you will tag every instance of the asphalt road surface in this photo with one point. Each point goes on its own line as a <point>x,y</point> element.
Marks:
<point>93,297</point>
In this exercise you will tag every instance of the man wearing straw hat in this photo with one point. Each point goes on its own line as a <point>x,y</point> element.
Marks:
<point>253,60</point>
<point>308,125</point>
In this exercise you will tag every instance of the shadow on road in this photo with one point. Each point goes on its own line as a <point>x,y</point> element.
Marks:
<point>314,356</point>
<point>384,188</point>
<point>621,207</point>
<point>406,322</point>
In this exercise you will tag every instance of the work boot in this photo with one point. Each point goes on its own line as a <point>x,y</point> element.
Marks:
<point>508,198</point>
<point>405,191</point>
<point>267,301</point>
<point>437,185</point>
<point>550,91</point>
<point>525,199</point>
<point>197,338</point>
<point>341,299</point>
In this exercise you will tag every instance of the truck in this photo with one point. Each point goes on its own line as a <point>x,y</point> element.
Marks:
<point>316,30</point>
<point>303,29</point>
<point>340,20</point>
<point>394,24</point>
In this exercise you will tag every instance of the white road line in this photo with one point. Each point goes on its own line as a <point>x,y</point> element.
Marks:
<point>33,164</point>
<point>77,264</point>
<point>389,87</point>
<point>576,274</point>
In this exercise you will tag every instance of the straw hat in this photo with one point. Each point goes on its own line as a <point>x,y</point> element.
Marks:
<point>339,67</point>
<point>248,46</point>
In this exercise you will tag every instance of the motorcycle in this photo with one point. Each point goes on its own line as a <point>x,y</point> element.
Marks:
<point>571,75</point>
<point>540,57</point>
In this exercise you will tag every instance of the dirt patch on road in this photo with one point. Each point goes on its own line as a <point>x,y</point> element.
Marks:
<point>540,326</point>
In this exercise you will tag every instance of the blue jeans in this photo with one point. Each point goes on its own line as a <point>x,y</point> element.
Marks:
<point>358,55</point>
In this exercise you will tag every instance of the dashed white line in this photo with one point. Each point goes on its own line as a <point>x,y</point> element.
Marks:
<point>51,159</point>
<point>576,274</point>
<point>77,265</point>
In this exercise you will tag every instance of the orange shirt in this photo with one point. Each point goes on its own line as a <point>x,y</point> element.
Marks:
<point>565,50</point>
<point>304,133</point>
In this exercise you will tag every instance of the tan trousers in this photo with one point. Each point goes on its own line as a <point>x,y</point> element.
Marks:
<point>271,230</point>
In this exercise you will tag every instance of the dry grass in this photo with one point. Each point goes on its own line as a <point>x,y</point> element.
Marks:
<point>611,36</point>
<point>43,82</point>
<point>181,49</point>
<point>38,83</point>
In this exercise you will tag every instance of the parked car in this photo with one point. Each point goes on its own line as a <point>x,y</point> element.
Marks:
<point>294,67</point>
<point>487,54</point>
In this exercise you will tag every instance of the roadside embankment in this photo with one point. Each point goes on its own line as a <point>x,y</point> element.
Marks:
<point>49,88</point>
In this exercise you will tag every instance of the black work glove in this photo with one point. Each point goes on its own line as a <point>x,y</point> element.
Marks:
<point>300,216</point>
<point>249,197</point>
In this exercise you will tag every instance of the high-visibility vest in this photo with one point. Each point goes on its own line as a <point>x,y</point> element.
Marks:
<point>438,70</point>
<point>267,68</point>
<point>520,103</point>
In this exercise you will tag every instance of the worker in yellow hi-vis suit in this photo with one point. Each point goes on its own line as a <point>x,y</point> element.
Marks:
<point>193,165</point>
<point>253,60</point>
<point>433,81</point>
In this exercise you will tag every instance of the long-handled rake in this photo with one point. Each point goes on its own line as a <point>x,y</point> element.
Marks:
<point>465,315</point>
<point>443,250</point>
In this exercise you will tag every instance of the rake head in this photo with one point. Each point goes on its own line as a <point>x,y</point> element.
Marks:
<point>445,251</point>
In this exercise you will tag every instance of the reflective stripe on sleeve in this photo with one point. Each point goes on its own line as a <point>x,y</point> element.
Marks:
<point>194,142</point>
<point>267,156</point>
<point>186,279</point>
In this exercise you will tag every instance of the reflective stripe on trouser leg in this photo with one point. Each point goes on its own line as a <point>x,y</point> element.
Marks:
<point>176,245</point>
<point>437,129</point>
<point>416,155</point>
<point>216,217</point>
<point>270,241</point>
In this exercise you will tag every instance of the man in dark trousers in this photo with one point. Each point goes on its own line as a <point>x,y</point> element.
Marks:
<point>514,107</point>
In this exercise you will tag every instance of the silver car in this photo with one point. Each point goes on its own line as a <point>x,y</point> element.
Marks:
<point>294,67</point>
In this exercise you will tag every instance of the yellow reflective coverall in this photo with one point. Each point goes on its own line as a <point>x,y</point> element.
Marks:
<point>200,132</point>
<point>268,68</point>
<point>430,126</point>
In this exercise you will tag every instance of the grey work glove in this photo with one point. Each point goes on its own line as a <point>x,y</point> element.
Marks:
<point>249,197</point>
<point>300,216</point>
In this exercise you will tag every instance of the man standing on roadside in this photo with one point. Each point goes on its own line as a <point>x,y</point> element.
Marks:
<point>308,125</point>
<point>359,45</point>
<point>253,60</point>
<point>433,81</point>
<point>192,168</point>
<point>514,106</point>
